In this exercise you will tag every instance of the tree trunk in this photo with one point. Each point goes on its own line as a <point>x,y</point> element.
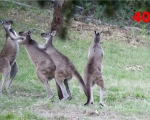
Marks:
<point>57,22</point>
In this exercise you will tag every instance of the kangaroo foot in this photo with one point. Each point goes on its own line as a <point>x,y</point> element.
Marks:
<point>66,98</point>
<point>8,90</point>
<point>86,104</point>
<point>92,102</point>
<point>102,104</point>
<point>50,96</point>
<point>70,97</point>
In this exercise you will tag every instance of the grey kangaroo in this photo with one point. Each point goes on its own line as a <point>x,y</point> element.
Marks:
<point>64,67</point>
<point>45,67</point>
<point>8,65</point>
<point>93,69</point>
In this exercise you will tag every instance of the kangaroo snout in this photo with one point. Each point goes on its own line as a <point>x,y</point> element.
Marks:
<point>8,22</point>
<point>20,33</point>
<point>11,22</point>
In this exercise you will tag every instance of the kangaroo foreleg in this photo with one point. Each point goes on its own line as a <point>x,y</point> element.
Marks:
<point>12,36</point>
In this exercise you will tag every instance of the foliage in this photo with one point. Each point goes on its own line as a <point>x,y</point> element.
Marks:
<point>110,12</point>
<point>114,12</point>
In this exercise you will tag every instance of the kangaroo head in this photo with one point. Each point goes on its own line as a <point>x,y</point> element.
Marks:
<point>48,35</point>
<point>26,35</point>
<point>7,23</point>
<point>97,36</point>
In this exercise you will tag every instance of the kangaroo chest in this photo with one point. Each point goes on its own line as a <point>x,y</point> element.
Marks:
<point>10,50</point>
<point>37,56</point>
<point>96,51</point>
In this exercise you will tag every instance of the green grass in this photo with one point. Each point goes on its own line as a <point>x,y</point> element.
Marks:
<point>126,91</point>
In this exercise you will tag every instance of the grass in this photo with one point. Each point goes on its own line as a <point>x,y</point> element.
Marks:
<point>126,86</point>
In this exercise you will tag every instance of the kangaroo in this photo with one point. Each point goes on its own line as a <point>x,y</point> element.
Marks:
<point>93,69</point>
<point>64,67</point>
<point>8,65</point>
<point>45,67</point>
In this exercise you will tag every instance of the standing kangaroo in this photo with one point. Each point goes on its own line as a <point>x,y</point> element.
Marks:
<point>93,69</point>
<point>45,67</point>
<point>64,67</point>
<point>8,65</point>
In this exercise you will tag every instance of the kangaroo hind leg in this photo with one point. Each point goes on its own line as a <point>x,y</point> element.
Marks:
<point>65,94</point>
<point>5,75</point>
<point>100,83</point>
<point>60,95</point>
<point>13,72</point>
<point>44,81</point>
<point>59,77</point>
<point>67,88</point>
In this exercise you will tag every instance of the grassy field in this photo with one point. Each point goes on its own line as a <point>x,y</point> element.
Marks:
<point>125,69</point>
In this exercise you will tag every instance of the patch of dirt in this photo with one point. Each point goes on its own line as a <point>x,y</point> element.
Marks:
<point>74,114</point>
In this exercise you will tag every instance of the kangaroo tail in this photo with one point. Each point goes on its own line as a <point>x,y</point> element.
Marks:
<point>80,80</point>
<point>88,92</point>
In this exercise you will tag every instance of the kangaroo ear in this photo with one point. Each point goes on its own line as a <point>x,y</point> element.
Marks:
<point>98,33</point>
<point>53,33</point>
<point>95,32</point>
